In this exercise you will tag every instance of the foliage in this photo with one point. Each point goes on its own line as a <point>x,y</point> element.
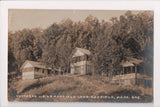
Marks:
<point>110,42</point>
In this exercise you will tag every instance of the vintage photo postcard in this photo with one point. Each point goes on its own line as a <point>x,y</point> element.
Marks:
<point>80,55</point>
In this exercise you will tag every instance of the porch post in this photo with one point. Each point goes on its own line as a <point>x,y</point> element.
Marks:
<point>136,73</point>
<point>59,72</point>
<point>123,70</point>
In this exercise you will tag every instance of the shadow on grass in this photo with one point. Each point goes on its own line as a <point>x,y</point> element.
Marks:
<point>35,85</point>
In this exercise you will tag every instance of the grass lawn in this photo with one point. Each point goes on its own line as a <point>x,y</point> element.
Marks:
<point>75,88</point>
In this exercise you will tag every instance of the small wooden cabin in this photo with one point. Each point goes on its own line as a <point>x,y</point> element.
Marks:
<point>80,62</point>
<point>131,74</point>
<point>34,70</point>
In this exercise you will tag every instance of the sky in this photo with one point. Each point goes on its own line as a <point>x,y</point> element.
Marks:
<point>19,19</point>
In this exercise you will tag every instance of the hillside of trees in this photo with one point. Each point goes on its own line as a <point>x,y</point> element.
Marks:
<point>110,42</point>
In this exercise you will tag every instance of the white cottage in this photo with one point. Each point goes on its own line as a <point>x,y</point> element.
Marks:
<point>132,74</point>
<point>34,70</point>
<point>80,62</point>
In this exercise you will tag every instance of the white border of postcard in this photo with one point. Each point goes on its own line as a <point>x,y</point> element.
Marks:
<point>100,5</point>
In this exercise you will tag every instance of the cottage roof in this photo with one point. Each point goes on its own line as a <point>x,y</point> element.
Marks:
<point>85,51</point>
<point>126,64</point>
<point>131,62</point>
<point>80,52</point>
<point>35,64</point>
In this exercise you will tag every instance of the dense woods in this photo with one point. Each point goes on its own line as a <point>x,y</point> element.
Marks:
<point>110,42</point>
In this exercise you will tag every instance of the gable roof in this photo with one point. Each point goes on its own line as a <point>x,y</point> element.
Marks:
<point>85,51</point>
<point>131,62</point>
<point>81,50</point>
<point>35,64</point>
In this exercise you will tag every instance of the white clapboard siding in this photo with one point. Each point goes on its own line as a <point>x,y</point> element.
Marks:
<point>28,75</point>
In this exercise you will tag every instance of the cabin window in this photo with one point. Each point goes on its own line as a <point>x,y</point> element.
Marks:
<point>78,58</point>
<point>48,71</point>
<point>82,58</point>
<point>125,70</point>
<point>87,57</point>
<point>73,60</point>
<point>129,70</point>
<point>37,69</point>
<point>133,69</point>
<point>43,71</point>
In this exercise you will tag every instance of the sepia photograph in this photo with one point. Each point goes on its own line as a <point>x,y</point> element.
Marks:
<point>80,55</point>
